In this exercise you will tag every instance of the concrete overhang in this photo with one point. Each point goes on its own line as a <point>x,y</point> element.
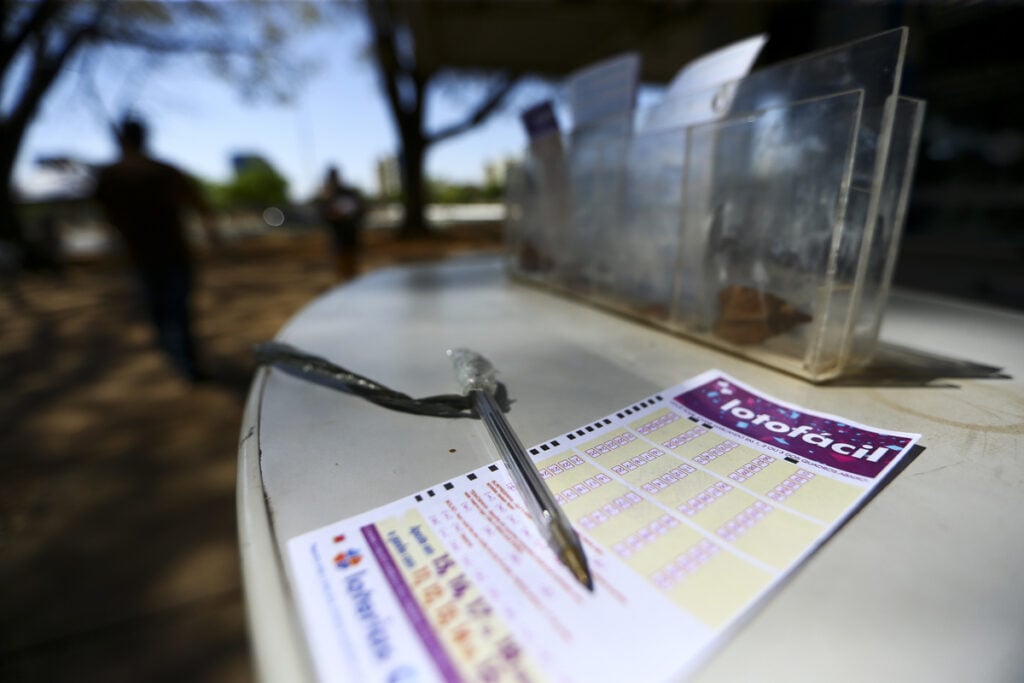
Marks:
<point>554,37</point>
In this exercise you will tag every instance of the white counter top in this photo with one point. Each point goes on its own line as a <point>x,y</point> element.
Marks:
<point>929,567</point>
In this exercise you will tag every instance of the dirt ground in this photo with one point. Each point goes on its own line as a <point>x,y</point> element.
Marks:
<point>118,546</point>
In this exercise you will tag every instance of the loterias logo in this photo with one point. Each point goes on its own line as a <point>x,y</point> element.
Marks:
<point>362,597</point>
<point>346,558</point>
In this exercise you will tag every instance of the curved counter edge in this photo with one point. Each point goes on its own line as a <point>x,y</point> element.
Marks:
<point>276,649</point>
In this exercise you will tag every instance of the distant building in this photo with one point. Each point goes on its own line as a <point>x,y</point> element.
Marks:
<point>495,172</point>
<point>389,176</point>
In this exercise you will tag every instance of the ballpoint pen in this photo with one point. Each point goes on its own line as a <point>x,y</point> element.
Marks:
<point>477,377</point>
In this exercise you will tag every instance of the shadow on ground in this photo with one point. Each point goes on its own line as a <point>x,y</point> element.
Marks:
<point>118,548</point>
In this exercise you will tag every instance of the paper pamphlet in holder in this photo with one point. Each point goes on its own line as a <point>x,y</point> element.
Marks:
<point>761,215</point>
<point>679,109</point>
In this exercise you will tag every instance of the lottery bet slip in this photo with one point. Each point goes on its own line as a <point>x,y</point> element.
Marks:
<point>692,505</point>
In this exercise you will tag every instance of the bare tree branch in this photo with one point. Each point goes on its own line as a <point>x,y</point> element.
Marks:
<point>491,102</point>
<point>163,45</point>
<point>45,70</point>
<point>42,14</point>
<point>387,54</point>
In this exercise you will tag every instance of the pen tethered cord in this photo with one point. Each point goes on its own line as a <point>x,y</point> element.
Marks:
<point>321,371</point>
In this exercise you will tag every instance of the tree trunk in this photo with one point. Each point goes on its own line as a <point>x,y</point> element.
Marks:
<point>414,198</point>
<point>48,55</point>
<point>10,226</point>
<point>405,86</point>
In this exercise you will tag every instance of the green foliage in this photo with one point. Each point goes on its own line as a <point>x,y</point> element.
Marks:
<point>442,192</point>
<point>395,196</point>
<point>493,191</point>
<point>256,185</point>
<point>216,194</point>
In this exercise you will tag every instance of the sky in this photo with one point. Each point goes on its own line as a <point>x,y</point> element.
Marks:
<point>197,121</point>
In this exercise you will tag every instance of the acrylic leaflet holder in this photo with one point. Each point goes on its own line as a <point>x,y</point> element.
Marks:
<point>768,225</point>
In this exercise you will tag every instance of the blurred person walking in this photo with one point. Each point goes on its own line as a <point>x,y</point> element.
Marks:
<point>343,209</point>
<point>147,201</point>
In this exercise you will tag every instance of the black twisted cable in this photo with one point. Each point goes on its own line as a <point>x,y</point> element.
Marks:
<point>325,373</point>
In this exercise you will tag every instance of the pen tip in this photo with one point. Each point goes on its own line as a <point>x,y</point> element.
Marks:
<point>577,564</point>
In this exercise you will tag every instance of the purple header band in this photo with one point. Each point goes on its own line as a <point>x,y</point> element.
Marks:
<point>820,438</point>
<point>407,600</point>
<point>540,120</point>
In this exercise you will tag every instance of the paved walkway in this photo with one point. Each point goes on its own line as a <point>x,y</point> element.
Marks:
<point>118,548</point>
